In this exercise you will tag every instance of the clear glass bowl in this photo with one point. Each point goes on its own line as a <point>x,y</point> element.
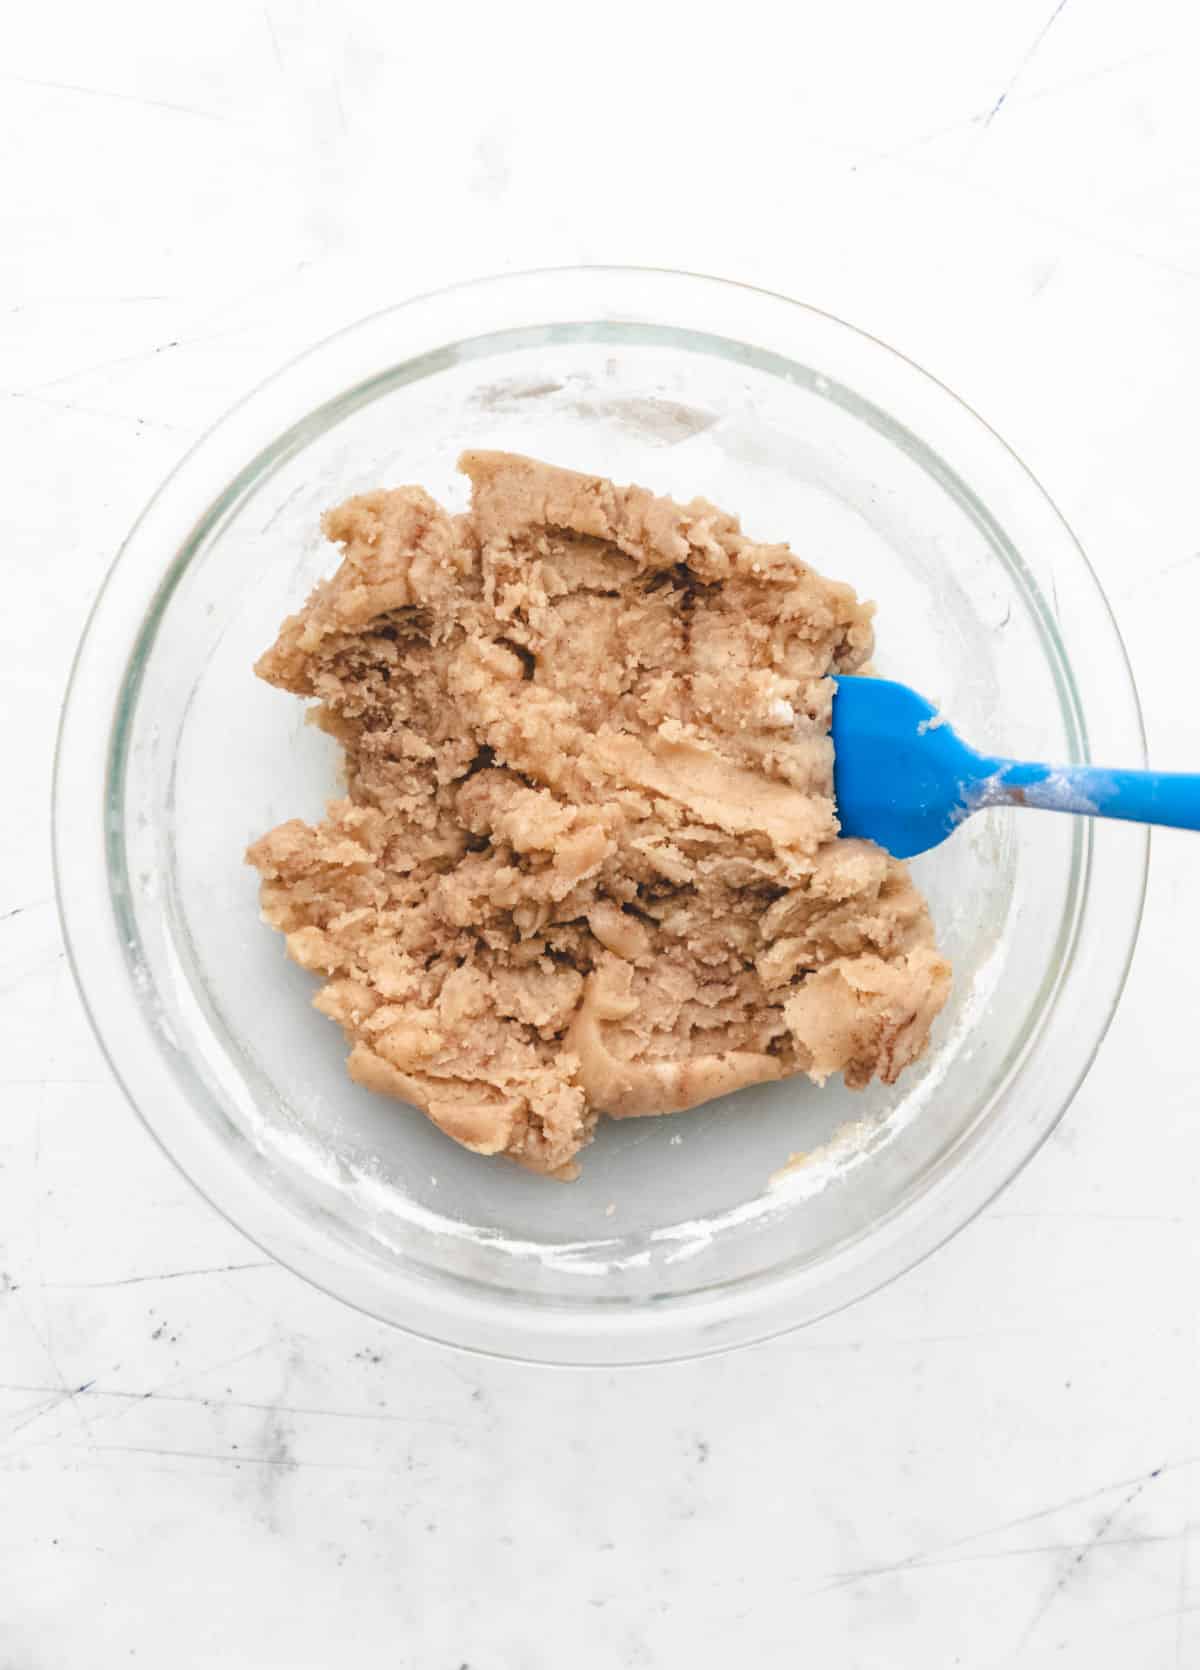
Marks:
<point>682,1236</point>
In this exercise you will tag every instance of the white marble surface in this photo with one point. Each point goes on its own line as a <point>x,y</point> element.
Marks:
<point>996,1461</point>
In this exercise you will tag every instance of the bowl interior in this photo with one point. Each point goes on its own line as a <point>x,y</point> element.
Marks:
<point>207,758</point>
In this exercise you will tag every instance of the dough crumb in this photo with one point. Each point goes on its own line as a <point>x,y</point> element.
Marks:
<point>588,858</point>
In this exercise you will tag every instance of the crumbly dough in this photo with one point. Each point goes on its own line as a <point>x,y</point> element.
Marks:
<point>588,858</point>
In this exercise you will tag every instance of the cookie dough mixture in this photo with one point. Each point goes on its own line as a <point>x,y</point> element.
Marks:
<point>588,860</point>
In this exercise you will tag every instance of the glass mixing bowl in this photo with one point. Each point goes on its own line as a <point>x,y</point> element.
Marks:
<point>683,1235</point>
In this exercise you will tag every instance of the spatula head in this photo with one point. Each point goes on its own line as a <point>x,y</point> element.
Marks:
<point>901,776</point>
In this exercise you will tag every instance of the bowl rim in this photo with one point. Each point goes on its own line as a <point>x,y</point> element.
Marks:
<point>641,1332</point>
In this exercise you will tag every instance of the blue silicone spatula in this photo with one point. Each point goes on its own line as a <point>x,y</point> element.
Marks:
<point>903,778</point>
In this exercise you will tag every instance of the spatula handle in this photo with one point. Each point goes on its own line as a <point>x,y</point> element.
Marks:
<point>1163,797</point>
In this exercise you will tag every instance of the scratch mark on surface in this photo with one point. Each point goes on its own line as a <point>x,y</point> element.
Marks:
<point>1139,1619</point>
<point>20,910</point>
<point>132,359</point>
<point>839,1580</point>
<point>281,508</point>
<point>1083,1552</point>
<point>165,1275</point>
<point>91,301</point>
<point>100,412</point>
<point>964,124</point>
<point>59,1396</point>
<point>1086,77</point>
<point>116,1416</point>
<point>47,1342</point>
<point>1030,1551</point>
<point>35,1414</point>
<point>1030,52</point>
<point>99,365</point>
<point>236,1458</point>
<point>316,1411</point>
<point>1084,233</point>
<point>63,1390</point>
<point>274,38</point>
<point>120,98</point>
<point>28,974</point>
<point>1157,574</point>
<point>341,108</point>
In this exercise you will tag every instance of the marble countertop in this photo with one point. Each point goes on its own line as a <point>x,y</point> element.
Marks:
<point>203,1462</point>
